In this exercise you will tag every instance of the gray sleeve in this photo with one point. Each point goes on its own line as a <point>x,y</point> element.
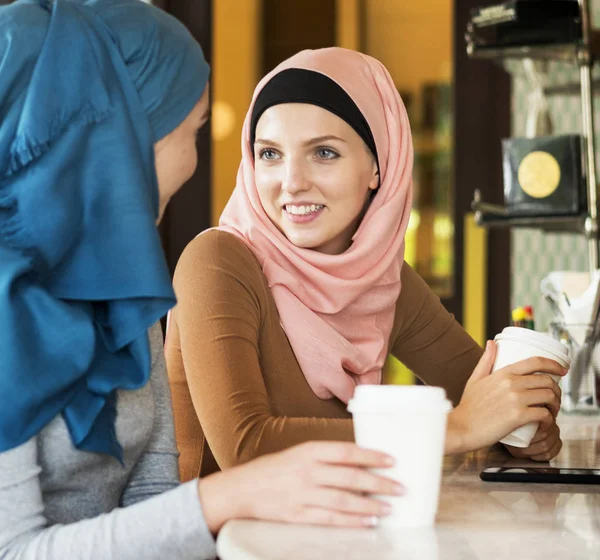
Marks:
<point>162,519</point>
<point>169,525</point>
<point>157,470</point>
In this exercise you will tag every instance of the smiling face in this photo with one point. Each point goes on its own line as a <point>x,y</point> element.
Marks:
<point>314,175</point>
<point>176,156</point>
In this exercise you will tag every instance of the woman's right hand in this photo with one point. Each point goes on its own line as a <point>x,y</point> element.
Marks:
<point>492,406</point>
<point>322,483</point>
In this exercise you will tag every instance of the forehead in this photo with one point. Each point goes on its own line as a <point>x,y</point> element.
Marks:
<point>300,119</point>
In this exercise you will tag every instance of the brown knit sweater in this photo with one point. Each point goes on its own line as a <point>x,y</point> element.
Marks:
<point>238,391</point>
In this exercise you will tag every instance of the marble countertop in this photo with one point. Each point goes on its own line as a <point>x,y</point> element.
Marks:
<point>476,520</point>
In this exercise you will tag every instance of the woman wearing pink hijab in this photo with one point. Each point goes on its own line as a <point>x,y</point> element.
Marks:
<point>302,290</point>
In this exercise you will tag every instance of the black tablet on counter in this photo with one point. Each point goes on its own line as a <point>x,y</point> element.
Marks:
<point>546,475</point>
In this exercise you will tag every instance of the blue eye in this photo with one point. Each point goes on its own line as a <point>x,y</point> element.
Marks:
<point>267,154</point>
<point>327,153</point>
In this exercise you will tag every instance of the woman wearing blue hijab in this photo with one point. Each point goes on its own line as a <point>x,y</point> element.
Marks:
<point>100,103</point>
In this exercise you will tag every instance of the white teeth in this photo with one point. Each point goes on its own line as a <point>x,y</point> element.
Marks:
<point>301,210</point>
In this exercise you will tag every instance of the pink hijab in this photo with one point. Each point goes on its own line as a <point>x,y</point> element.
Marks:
<point>337,310</point>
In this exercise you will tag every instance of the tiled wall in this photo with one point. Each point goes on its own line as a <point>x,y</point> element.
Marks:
<point>535,253</point>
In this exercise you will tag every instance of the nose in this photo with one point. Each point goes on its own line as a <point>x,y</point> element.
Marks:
<point>295,178</point>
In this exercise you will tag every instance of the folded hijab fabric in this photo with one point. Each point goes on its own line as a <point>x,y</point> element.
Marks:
<point>337,310</point>
<point>86,88</point>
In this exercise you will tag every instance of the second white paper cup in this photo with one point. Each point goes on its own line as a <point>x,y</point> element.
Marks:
<point>408,423</point>
<point>515,344</point>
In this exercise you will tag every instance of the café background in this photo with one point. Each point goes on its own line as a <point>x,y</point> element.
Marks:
<point>459,109</point>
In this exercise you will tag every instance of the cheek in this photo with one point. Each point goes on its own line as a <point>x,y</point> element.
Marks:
<point>341,187</point>
<point>267,186</point>
<point>190,161</point>
<point>358,183</point>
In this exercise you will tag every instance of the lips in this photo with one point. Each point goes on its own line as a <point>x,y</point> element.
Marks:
<point>303,213</point>
<point>302,209</point>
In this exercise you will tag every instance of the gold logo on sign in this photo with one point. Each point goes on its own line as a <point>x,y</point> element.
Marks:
<point>539,174</point>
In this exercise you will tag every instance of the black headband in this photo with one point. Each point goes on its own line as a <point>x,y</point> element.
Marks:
<point>296,85</point>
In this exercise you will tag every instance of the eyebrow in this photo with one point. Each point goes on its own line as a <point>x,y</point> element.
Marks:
<point>310,142</point>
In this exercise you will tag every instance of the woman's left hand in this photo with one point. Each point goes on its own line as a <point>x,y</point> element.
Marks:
<point>545,445</point>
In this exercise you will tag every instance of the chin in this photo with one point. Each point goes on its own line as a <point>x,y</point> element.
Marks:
<point>302,243</point>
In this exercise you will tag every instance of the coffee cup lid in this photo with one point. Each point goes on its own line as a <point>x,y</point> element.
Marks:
<point>537,339</point>
<point>390,399</point>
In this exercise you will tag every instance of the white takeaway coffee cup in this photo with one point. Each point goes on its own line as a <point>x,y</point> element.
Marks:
<point>515,344</point>
<point>408,423</point>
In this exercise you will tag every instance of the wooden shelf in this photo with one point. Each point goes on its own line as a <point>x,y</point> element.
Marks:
<point>572,224</point>
<point>562,52</point>
<point>497,216</point>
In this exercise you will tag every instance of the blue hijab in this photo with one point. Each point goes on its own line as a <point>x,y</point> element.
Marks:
<point>86,88</point>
